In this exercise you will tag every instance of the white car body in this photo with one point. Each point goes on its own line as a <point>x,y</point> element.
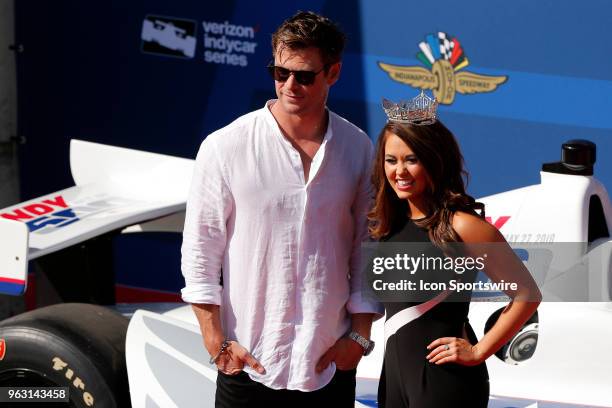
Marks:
<point>167,363</point>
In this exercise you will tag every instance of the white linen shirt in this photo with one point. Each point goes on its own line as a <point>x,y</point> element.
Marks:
<point>288,250</point>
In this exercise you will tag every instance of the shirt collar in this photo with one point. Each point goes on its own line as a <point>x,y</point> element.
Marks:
<point>270,118</point>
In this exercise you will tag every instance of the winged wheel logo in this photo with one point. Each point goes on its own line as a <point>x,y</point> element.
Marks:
<point>444,59</point>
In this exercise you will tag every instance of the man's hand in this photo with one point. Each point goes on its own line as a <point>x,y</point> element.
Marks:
<point>233,359</point>
<point>346,353</point>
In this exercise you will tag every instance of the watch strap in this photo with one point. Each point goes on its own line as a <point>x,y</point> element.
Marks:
<point>367,345</point>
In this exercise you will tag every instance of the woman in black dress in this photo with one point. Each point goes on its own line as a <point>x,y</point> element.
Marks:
<point>432,357</point>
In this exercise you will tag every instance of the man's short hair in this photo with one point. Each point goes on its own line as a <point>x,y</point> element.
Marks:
<point>308,29</point>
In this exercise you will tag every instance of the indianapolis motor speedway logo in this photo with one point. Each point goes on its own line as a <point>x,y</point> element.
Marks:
<point>443,58</point>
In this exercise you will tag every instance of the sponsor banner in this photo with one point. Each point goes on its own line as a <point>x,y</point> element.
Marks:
<point>222,42</point>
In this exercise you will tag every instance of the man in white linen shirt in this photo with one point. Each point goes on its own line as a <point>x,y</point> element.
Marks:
<point>278,207</point>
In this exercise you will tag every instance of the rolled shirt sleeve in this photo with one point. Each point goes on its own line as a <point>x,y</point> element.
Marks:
<point>358,303</point>
<point>209,205</point>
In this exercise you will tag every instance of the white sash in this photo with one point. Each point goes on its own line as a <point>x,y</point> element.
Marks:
<point>403,317</point>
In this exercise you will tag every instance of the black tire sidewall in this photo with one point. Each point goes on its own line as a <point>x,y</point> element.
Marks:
<point>33,349</point>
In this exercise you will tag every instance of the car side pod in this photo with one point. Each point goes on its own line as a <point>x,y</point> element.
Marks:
<point>167,363</point>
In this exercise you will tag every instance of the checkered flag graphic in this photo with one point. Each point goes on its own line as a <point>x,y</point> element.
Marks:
<point>446,45</point>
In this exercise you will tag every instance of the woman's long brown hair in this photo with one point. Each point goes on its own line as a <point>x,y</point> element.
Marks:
<point>438,151</point>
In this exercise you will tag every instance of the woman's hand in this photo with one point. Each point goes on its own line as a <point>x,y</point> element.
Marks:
<point>453,350</point>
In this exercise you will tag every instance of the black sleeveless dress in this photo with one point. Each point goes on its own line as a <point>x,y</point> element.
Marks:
<point>407,378</point>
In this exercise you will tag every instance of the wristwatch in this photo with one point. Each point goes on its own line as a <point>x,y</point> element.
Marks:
<point>368,345</point>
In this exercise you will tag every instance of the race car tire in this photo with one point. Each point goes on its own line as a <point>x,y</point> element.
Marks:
<point>79,346</point>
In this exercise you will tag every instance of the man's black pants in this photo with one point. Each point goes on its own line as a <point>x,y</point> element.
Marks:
<point>239,391</point>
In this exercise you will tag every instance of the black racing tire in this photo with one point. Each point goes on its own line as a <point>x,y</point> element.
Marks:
<point>74,345</point>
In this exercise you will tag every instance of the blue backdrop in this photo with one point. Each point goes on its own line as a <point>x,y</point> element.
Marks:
<point>89,72</point>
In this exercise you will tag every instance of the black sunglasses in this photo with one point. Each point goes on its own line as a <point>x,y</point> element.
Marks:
<point>281,74</point>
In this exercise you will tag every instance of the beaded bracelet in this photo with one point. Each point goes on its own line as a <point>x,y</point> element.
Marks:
<point>224,347</point>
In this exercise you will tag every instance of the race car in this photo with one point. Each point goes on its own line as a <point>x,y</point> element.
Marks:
<point>168,36</point>
<point>153,356</point>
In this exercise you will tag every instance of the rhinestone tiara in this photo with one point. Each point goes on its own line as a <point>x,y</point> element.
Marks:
<point>420,110</point>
